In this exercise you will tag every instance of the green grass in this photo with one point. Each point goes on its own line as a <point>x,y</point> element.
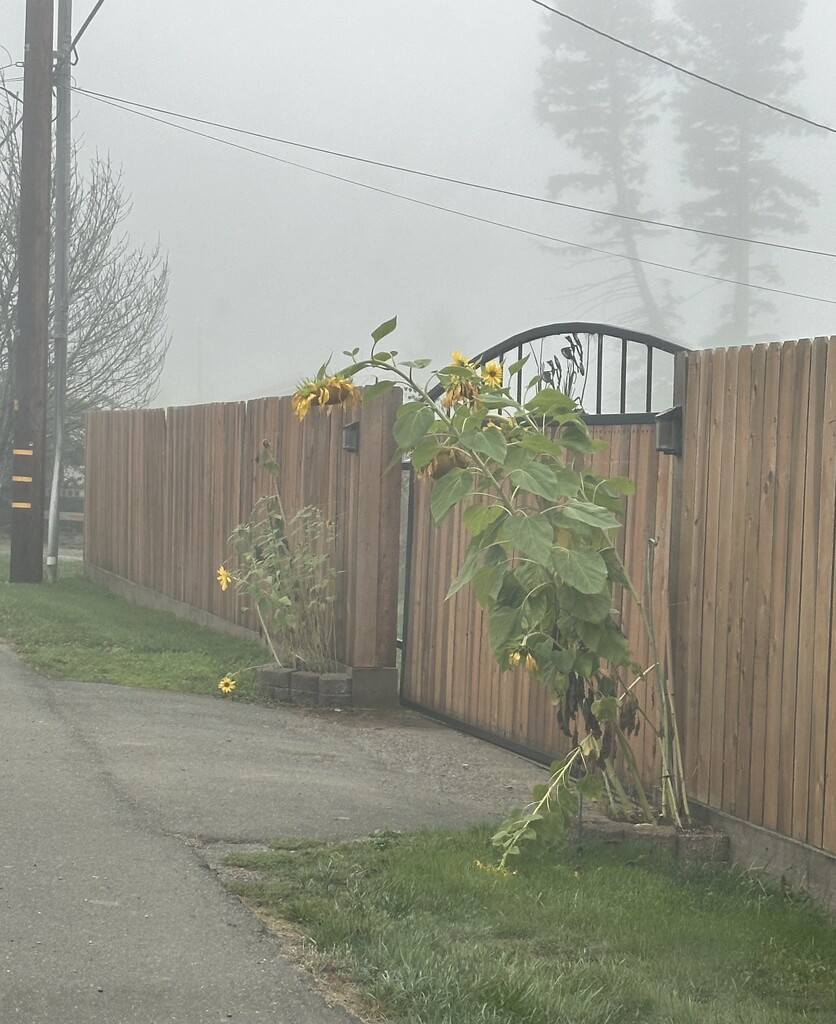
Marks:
<point>614,935</point>
<point>77,630</point>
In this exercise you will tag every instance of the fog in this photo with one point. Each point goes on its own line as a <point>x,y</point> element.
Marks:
<point>274,267</point>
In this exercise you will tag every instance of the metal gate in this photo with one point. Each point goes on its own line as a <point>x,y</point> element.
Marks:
<point>624,380</point>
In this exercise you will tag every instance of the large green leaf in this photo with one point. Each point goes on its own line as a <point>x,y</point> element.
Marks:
<point>622,484</point>
<point>518,457</point>
<point>379,333</point>
<point>491,442</point>
<point>471,566</point>
<point>592,515</point>
<point>605,639</point>
<point>589,607</point>
<point>504,626</point>
<point>550,402</point>
<point>488,579</point>
<point>605,709</point>
<point>575,435</point>
<point>425,451</point>
<point>568,482</point>
<point>477,518</point>
<point>591,787</point>
<point>449,491</point>
<point>582,569</point>
<point>532,535</point>
<point>537,479</point>
<point>540,443</point>
<point>412,424</point>
<point>376,389</point>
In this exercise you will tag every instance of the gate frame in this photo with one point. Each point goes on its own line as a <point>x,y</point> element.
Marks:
<point>517,342</point>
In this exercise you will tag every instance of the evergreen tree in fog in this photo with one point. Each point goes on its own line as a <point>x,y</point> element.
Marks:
<point>603,102</point>
<point>729,145</point>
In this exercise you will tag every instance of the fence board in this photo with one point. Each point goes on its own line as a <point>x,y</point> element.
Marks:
<point>775,637</point>
<point>795,539</point>
<point>809,572</point>
<point>745,574</point>
<point>167,487</point>
<point>820,689</point>
<point>765,586</point>
<point>694,527</point>
<point>449,667</point>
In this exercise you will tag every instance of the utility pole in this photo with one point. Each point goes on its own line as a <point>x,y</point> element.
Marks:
<point>63,227</point>
<point>32,342</point>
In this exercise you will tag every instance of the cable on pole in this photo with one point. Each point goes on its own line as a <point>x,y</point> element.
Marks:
<point>460,213</point>
<point>126,104</point>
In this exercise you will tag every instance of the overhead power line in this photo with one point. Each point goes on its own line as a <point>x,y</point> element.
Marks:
<point>495,190</point>
<point>685,71</point>
<point>86,22</point>
<point>447,209</point>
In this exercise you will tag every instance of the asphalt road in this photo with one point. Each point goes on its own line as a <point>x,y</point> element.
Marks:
<point>106,914</point>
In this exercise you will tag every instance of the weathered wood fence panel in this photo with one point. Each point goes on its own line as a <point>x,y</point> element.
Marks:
<point>167,488</point>
<point>742,592</point>
<point>741,580</point>
<point>755,605</point>
<point>448,665</point>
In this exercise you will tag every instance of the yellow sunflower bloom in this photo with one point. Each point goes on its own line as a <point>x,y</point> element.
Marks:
<point>492,374</point>
<point>223,576</point>
<point>301,405</point>
<point>227,684</point>
<point>341,391</point>
<point>459,359</point>
<point>523,657</point>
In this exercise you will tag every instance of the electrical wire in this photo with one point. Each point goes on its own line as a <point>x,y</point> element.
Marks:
<point>685,71</point>
<point>457,181</point>
<point>87,21</point>
<point>460,213</point>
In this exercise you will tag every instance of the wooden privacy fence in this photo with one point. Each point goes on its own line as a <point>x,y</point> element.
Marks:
<point>742,592</point>
<point>754,601</point>
<point>166,488</point>
<point>448,664</point>
<point>742,587</point>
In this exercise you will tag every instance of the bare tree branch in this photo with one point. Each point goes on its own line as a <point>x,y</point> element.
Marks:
<point>118,327</point>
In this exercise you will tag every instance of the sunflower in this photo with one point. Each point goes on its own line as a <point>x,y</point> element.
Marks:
<point>324,392</point>
<point>338,391</point>
<point>224,576</point>
<point>301,404</point>
<point>524,657</point>
<point>459,391</point>
<point>447,459</point>
<point>492,374</point>
<point>459,360</point>
<point>227,684</point>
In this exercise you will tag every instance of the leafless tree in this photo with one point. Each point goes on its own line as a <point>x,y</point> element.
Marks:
<point>118,335</point>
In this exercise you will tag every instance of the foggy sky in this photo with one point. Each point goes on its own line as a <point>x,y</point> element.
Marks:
<point>273,268</point>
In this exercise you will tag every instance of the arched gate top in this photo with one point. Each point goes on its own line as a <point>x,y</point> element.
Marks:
<point>632,372</point>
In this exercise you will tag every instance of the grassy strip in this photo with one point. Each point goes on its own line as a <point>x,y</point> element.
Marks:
<point>77,630</point>
<point>426,934</point>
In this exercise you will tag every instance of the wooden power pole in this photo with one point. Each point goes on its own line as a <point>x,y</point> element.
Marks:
<point>31,348</point>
